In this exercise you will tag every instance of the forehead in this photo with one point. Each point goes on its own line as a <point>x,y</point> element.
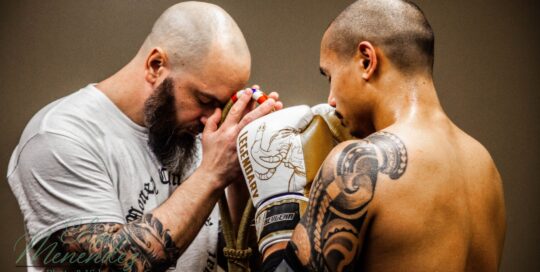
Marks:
<point>225,77</point>
<point>328,56</point>
<point>328,59</point>
<point>217,79</point>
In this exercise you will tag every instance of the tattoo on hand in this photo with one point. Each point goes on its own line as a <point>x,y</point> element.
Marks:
<point>339,201</point>
<point>142,245</point>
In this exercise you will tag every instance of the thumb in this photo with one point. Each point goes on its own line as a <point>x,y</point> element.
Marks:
<point>212,121</point>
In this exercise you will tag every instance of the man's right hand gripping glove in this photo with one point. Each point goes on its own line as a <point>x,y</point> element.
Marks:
<point>280,155</point>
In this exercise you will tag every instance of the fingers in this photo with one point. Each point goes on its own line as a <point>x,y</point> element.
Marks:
<point>264,109</point>
<point>238,109</point>
<point>212,121</point>
<point>278,106</point>
<point>251,105</point>
<point>274,95</point>
<point>244,110</point>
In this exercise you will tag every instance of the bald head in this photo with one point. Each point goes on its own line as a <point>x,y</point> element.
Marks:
<point>398,27</point>
<point>190,31</point>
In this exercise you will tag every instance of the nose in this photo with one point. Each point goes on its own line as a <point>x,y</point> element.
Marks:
<point>203,120</point>
<point>205,114</point>
<point>331,100</point>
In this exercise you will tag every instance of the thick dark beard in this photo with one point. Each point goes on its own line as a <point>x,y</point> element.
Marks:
<point>173,147</point>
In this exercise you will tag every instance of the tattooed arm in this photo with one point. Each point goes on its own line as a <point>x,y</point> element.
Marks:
<point>330,235</point>
<point>138,246</point>
<point>152,243</point>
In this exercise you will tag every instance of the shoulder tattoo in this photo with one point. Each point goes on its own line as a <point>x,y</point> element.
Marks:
<point>340,198</point>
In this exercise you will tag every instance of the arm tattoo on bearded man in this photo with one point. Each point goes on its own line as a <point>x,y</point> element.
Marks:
<point>339,200</point>
<point>142,245</point>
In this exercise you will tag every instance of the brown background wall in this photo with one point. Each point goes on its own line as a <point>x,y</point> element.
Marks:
<point>485,71</point>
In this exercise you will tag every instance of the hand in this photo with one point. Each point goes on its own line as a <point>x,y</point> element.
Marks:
<point>252,105</point>
<point>219,144</point>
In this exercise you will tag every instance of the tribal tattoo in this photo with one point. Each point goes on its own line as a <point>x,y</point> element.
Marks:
<point>142,245</point>
<point>339,202</point>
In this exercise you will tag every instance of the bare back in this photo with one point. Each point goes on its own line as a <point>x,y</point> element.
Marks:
<point>445,213</point>
<point>411,198</point>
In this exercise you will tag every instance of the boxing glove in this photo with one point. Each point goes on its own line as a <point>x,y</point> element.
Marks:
<point>280,155</point>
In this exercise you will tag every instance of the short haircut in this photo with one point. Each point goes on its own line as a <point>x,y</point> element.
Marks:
<point>398,27</point>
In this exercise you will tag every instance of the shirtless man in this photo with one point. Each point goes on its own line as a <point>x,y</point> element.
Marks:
<point>414,192</point>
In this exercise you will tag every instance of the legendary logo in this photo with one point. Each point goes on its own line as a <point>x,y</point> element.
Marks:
<point>246,164</point>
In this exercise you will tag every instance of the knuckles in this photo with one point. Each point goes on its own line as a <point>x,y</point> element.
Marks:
<point>234,111</point>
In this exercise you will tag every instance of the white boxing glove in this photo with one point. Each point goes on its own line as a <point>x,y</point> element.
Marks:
<point>280,154</point>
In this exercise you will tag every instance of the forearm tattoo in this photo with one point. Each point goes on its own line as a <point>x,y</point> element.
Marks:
<point>142,245</point>
<point>339,202</point>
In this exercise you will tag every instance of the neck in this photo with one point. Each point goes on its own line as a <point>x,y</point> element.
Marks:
<point>126,90</point>
<point>413,99</point>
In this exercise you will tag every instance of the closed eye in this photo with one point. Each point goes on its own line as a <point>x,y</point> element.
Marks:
<point>204,101</point>
<point>207,100</point>
<point>323,72</point>
<point>211,103</point>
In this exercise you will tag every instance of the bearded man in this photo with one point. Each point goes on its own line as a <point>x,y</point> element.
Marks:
<point>114,175</point>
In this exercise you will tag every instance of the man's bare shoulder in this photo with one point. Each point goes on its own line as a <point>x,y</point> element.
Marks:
<point>480,156</point>
<point>449,154</point>
<point>385,151</point>
<point>340,204</point>
<point>360,166</point>
<point>401,164</point>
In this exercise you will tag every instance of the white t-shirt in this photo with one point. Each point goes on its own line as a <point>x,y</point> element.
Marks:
<point>81,160</point>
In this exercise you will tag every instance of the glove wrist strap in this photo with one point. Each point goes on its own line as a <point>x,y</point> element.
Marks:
<point>277,217</point>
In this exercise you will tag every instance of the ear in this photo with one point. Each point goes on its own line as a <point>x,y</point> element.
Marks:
<point>368,59</point>
<point>156,65</point>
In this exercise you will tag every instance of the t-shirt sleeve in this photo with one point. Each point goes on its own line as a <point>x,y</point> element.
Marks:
<point>60,182</point>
